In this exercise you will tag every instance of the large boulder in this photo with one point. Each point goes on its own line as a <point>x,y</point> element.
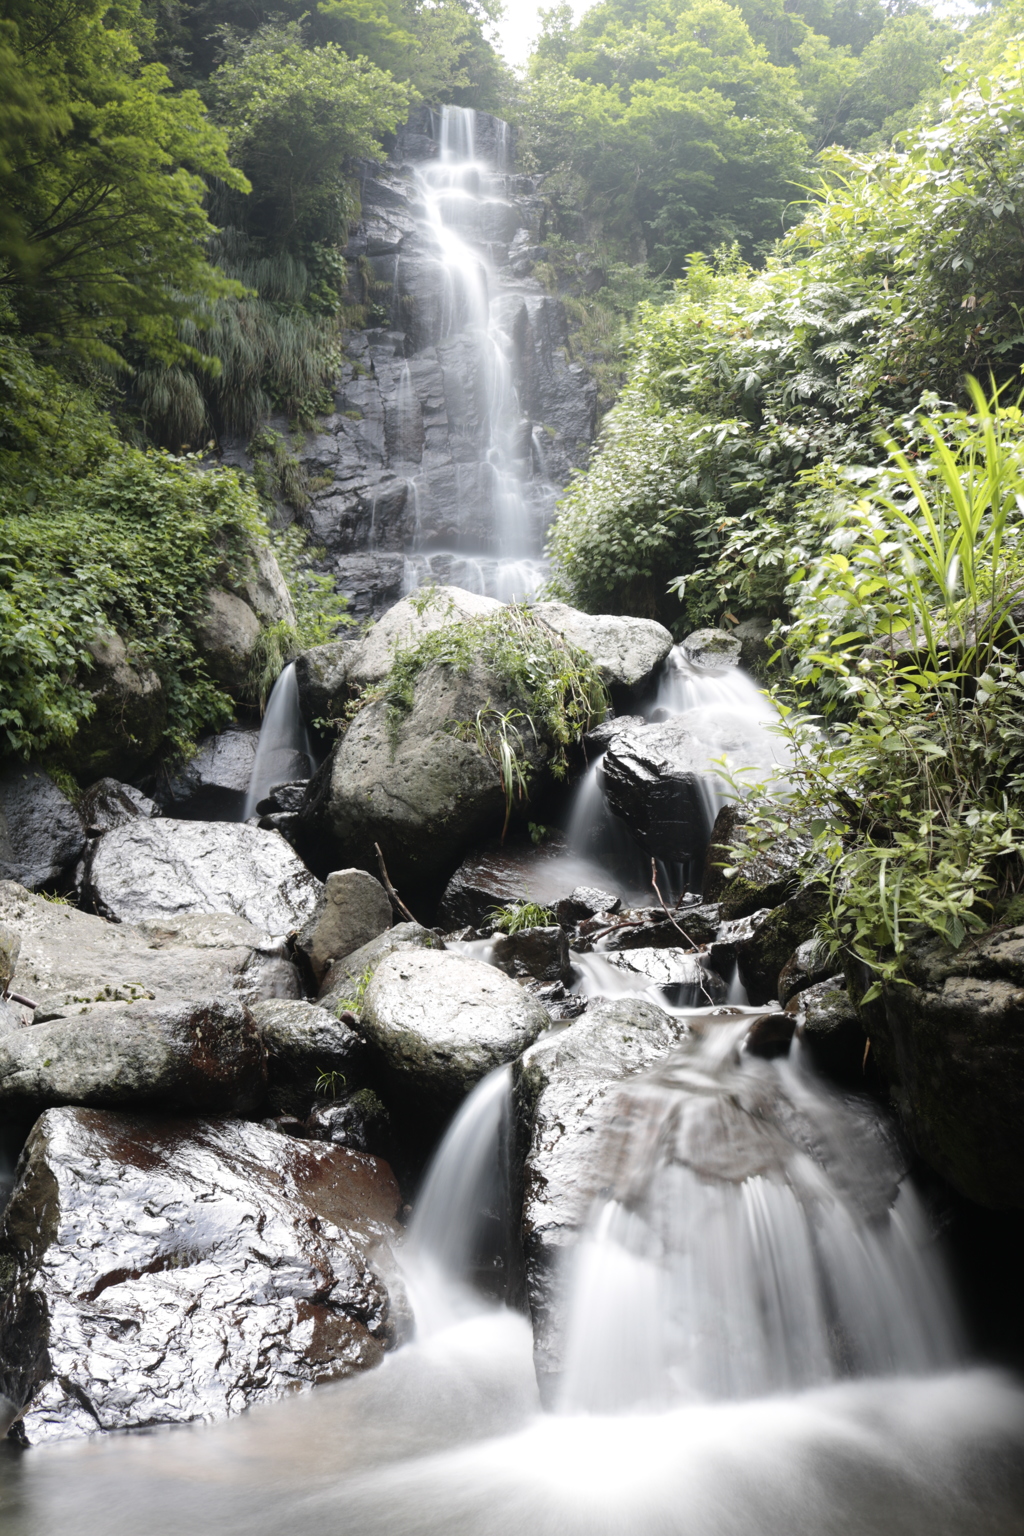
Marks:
<point>658,780</point>
<point>226,635</point>
<point>409,622</point>
<point>422,792</point>
<point>951,1047</point>
<point>130,714</point>
<point>309,1051</point>
<point>353,909</point>
<point>321,674</point>
<point>42,835</point>
<point>158,869</point>
<point>347,980</point>
<point>566,1098</point>
<point>501,875</point>
<point>712,649</point>
<point>160,1271</point>
<point>213,784</point>
<point>68,958</point>
<point>438,1022</point>
<point>109,803</point>
<point>626,651</point>
<point>198,1056</point>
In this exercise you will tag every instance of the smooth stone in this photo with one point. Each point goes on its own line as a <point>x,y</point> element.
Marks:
<point>161,1271</point>
<point>226,637</point>
<point>353,909</point>
<point>712,649</point>
<point>158,869</point>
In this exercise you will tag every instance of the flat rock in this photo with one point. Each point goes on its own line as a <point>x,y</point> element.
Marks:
<point>160,1271</point>
<point>439,1022</point>
<point>42,835</point>
<point>626,651</point>
<point>68,958</point>
<point>198,1056</point>
<point>160,869</point>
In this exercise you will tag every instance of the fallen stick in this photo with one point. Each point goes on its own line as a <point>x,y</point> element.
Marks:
<point>396,900</point>
<point>16,997</point>
<point>668,914</point>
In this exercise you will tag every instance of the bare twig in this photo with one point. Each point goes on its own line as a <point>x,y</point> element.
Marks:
<point>16,997</point>
<point>668,914</point>
<point>396,900</point>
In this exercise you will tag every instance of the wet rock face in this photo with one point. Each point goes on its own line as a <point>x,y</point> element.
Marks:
<point>213,784</point>
<point>498,875</point>
<point>437,1023</point>
<point>198,1056</point>
<point>764,881</point>
<point>951,1047</point>
<point>687,981</point>
<point>69,958</point>
<point>540,953</point>
<point>108,803</point>
<point>159,1271</point>
<point>158,869</point>
<point>654,778</point>
<point>830,1031</point>
<point>42,834</point>
<point>422,793</point>
<point>565,1096</point>
<point>766,943</point>
<point>626,651</point>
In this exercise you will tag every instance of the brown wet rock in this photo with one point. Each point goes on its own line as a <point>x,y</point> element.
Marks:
<point>159,1271</point>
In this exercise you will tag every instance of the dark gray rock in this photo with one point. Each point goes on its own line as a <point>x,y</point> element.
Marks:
<point>830,1031</point>
<point>585,901</point>
<point>655,779</point>
<point>288,798</point>
<point>566,1097</point>
<point>438,1022</point>
<point>809,963</point>
<point>626,651</point>
<point>347,979</point>
<point>771,1035</point>
<point>309,1051</point>
<point>226,637</point>
<point>161,1271</point>
<point>763,881</point>
<point>755,649</point>
<point>951,1048</point>
<point>42,835</point>
<point>212,786</point>
<point>322,677</point>
<point>771,936</point>
<point>600,736</point>
<point>712,649</point>
<point>499,875</point>
<point>68,958</point>
<point>699,925</point>
<point>130,711</point>
<point>353,909</point>
<point>158,869</point>
<point>358,1120</point>
<point>196,1056</point>
<point>109,803</point>
<point>540,953</point>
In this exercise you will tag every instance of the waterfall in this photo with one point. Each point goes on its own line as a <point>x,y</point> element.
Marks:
<point>283,752</point>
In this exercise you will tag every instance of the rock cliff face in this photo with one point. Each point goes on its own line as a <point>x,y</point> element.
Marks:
<point>460,415</point>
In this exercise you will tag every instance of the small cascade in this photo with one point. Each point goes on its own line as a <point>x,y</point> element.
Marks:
<point>458,1243</point>
<point>283,752</point>
<point>757,1236</point>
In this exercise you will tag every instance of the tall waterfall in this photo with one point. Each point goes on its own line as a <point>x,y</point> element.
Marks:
<point>283,751</point>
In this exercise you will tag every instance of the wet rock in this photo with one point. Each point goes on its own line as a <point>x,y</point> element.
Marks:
<point>585,901</point>
<point>499,875</point>
<point>771,1035</point>
<point>626,651</point>
<point>288,798</point>
<point>561,1004</point>
<point>212,786</point>
<point>541,953</point>
<point>951,1048</point>
<point>309,1051</point>
<point>226,637</point>
<point>353,909</point>
<point>830,1031</point>
<point>347,979</point>
<point>698,924</point>
<point>130,713</point>
<point>197,1056</point>
<point>809,963</point>
<point>42,835</point>
<point>684,977</point>
<point>711,649</point>
<point>438,1022</point>
<point>600,736</point>
<point>109,803</point>
<point>160,1271</point>
<point>322,677</point>
<point>656,779</point>
<point>409,622</point>
<point>358,1120</point>
<point>772,937</point>
<point>420,792</point>
<point>566,1096</point>
<point>158,869</point>
<point>68,957</point>
<point>763,881</point>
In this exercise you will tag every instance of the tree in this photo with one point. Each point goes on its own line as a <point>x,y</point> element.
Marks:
<point>102,182</point>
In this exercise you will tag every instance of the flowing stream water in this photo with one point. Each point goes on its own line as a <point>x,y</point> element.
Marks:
<point>283,752</point>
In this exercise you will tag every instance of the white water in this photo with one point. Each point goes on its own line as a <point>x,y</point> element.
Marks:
<point>283,752</point>
<point>501,482</point>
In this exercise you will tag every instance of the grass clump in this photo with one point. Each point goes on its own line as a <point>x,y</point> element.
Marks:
<point>521,914</point>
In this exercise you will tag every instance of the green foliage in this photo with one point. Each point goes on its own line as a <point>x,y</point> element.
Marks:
<point>354,1003</point>
<point>907,627</point>
<point>329,1084</point>
<point>521,914</point>
<point>101,182</point>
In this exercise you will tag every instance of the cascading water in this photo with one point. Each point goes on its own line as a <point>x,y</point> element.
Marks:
<point>283,752</point>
